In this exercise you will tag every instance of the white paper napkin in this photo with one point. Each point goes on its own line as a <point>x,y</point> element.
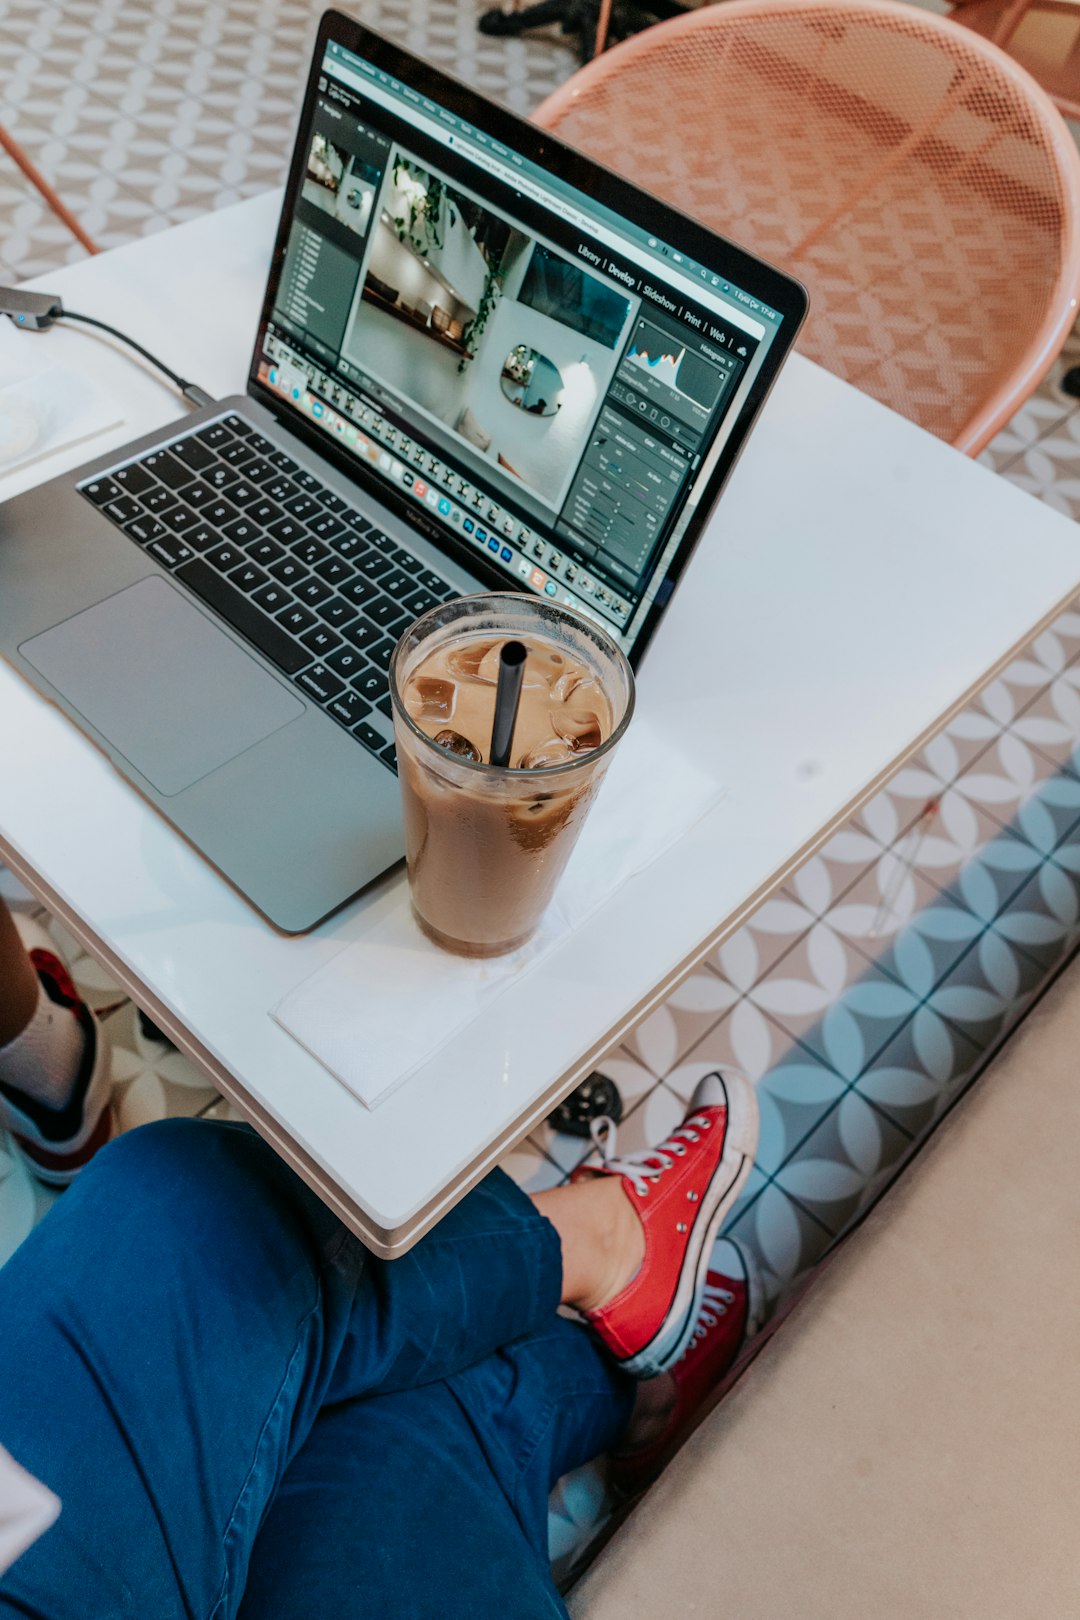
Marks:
<point>391,999</point>
<point>48,411</point>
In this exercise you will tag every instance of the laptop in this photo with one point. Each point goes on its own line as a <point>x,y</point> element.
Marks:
<point>483,362</point>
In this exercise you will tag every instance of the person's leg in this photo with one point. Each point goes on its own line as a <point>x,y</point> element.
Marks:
<point>55,1067</point>
<point>170,1331</point>
<point>432,1504</point>
<point>18,981</point>
<point>177,1323</point>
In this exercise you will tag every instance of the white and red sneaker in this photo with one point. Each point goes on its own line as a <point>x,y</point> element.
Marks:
<point>58,1142</point>
<point>730,1314</point>
<point>681,1191</point>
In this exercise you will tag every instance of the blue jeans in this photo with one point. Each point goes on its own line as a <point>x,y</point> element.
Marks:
<point>245,1414</point>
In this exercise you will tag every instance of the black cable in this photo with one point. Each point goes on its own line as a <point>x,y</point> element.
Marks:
<point>191,391</point>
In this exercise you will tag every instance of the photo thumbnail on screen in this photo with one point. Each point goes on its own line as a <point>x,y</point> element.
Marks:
<point>486,329</point>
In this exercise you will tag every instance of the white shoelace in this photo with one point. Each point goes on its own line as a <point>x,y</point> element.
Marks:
<point>714,1305</point>
<point>648,1164</point>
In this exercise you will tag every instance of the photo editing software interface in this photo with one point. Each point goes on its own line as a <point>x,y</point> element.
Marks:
<point>550,382</point>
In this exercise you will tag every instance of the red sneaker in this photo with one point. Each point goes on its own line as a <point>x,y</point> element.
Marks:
<point>731,1311</point>
<point>57,1142</point>
<point>681,1192</point>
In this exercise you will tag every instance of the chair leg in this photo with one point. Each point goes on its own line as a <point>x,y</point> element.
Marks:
<point>40,184</point>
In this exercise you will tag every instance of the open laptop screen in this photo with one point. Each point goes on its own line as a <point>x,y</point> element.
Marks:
<point>547,379</point>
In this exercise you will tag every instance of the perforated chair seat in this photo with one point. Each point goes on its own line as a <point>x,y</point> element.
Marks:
<point>917,181</point>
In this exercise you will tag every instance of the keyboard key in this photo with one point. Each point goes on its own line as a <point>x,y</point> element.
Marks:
<point>313,591</point>
<point>321,682</point>
<point>242,532</point>
<point>145,529</point>
<point>370,737</point>
<point>265,551</point>
<point>372,565</point>
<point>334,570</point>
<point>123,509</point>
<point>321,640</point>
<point>386,706</point>
<point>236,453</point>
<point>347,544</point>
<point>219,475</point>
<point>337,611</point>
<point>259,471</point>
<point>382,542</point>
<point>297,619</point>
<point>302,506</point>
<point>346,662</point>
<point>334,503</point>
<point>349,708</point>
<point>167,470</point>
<point>265,512</point>
<point>310,551</point>
<point>434,582</point>
<point>236,424</point>
<point>170,551</point>
<point>389,756</point>
<point>382,652</point>
<point>361,634</point>
<point>244,616</point>
<point>327,526</point>
<point>289,572</point>
<point>272,598</point>
<point>217,433</point>
<point>388,615</point>
<point>242,493</point>
<point>420,601</point>
<point>193,453</point>
<point>248,578</point>
<point>371,685</point>
<point>402,559</point>
<point>202,537</point>
<point>287,530</point>
<point>358,524</point>
<point>225,557</point>
<point>359,591</point>
<point>179,519</point>
<point>397,583</point>
<point>133,480</point>
<point>280,459</point>
<point>158,499</point>
<point>200,494</point>
<point>282,489</point>
<point>305,479</point>
<point>220,513</point>
<point>102,490</point>
<point>257,442</point>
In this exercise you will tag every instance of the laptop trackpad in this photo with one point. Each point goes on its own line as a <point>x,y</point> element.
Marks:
<point>159,681</point>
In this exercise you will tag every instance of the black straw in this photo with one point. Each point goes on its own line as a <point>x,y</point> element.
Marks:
<point>507,697</point>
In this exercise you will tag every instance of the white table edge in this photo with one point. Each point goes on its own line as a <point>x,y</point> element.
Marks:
<point>391,1243</point>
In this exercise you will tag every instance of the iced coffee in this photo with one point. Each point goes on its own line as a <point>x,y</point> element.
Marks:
<point>487,843</point>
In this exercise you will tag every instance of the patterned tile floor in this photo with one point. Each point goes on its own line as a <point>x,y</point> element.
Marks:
<point>867,994</point>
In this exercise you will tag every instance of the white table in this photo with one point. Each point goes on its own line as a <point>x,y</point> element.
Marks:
<point>859,581</point>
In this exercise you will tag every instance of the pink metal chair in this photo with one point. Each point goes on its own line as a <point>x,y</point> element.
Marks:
<point>917,180</point>
<point>18,155</point>
<point>1042,35</point>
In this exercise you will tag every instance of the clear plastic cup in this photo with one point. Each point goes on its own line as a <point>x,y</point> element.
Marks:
<point>486,844</point>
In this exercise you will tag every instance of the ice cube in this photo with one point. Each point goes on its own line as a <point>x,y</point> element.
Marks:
<point>455,743</point>
<point>578,727</point>
<point>428,698</point>
<point>552,751</point>
<point>575,684</point>
<point>465,662</point>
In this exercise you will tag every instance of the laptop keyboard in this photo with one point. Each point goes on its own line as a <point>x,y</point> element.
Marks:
<point>305,577</point>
